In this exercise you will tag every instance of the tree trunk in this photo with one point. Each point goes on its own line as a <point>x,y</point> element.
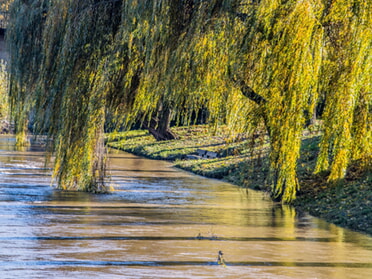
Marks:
<point>159,126</point>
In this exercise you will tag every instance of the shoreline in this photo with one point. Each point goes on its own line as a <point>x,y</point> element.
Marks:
<point>347,204</point>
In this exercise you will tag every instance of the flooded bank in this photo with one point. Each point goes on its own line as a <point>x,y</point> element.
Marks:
<point>160,222</point>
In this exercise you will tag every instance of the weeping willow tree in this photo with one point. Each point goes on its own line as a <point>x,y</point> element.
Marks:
<point>295,51</point>
<point>281,64</point>
<point>347,81</point>
<point>57,49</point>
<point>75,105</point>
<point>249,64</point>
<point>25,32</point>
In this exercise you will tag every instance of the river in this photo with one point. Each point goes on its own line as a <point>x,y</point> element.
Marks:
<point>160,222</point>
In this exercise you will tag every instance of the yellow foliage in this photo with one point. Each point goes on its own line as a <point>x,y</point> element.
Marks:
<point>4,87</point>
<point>163,53</point>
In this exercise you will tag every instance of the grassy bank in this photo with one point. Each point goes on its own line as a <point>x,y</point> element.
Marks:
<point>244,162</point>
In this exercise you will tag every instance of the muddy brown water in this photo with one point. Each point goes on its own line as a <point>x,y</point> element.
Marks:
<point>160,222</point>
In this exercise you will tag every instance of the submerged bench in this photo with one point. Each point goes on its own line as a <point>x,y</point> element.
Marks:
<point>202,154</point>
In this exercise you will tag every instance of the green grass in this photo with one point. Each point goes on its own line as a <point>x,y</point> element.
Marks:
<point>347,204</point>
<point>245,163</point>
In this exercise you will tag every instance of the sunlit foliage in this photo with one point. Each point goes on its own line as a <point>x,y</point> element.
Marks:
<point>253,65</point>
<point>4,12</point>
<point>347,81</point>
<point>281,62</point>
<point>4,84</point>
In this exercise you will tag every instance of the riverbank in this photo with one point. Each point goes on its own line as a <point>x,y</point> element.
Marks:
<point>244,162</point>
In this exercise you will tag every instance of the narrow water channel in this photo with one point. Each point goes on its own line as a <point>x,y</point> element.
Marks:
<point>160,222</point>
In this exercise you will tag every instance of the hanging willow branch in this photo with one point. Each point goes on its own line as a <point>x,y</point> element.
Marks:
<point>250,93</point>
<point>77,66</point>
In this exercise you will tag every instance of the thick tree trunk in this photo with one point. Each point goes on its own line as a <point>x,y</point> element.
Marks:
<point>159,126</point>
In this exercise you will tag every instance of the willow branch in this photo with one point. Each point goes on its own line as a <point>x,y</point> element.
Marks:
<point>248,92</point>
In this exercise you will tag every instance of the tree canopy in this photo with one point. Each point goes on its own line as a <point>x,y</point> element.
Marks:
<point>77,66</point>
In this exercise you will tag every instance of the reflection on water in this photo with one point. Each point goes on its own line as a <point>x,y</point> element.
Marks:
<point>160,223</point>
